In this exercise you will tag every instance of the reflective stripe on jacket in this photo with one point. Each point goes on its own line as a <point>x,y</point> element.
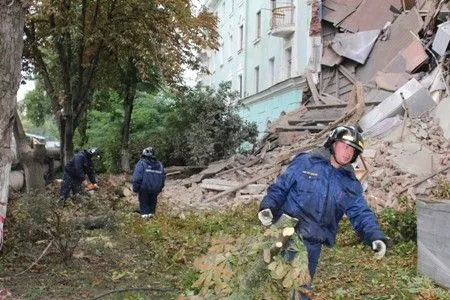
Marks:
<point>318,194</point>
<point>148,176</point>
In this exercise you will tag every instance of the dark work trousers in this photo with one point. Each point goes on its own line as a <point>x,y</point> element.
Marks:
<point>147,203</point>
<point>69,184</point>
<point>314,250</point>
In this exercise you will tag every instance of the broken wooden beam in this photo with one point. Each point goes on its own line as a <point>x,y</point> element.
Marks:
<point>340,105</point>
<point>311,121</point>
<point>298,128</point>
<point>224,193</point>
<point>312,87</point>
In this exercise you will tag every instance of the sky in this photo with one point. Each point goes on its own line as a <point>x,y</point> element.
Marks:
<point>24,88</point>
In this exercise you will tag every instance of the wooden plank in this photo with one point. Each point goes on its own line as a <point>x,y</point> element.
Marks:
<point>298,128</point>
<point>330,99</point>
<point>347,74</point>
<point>254,179</point>
<point>310,107</point>
<point>312,121</point>
<point>312,87</point>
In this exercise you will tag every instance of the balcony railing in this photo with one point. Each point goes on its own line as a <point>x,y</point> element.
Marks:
<point>282,22</point>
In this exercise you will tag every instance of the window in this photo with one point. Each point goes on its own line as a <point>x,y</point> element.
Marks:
<point>258,25</point>
<point>241,86</point>
<point>288,53</point>
<point>257,79</point>
<point>241,37</point>
<point>272,71</point>
<point>230,47</point>
<point>221,54</point>
<point>273,4</point>
<point>213,61</point>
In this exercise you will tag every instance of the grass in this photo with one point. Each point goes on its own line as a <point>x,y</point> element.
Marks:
<point>153,259</point>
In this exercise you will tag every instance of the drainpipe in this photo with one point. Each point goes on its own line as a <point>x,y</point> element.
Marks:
<point>244,74</point>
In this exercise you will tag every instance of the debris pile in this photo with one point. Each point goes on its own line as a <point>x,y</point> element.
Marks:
<point>384,66</point>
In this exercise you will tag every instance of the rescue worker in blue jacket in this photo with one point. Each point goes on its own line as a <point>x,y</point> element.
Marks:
<point>75,172</point>
<point>318,188</point>
<point>148,182</point>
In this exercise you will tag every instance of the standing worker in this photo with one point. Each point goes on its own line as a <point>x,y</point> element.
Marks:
<point>75,172</point>
<point>148,181</point>
<point>318,188</point>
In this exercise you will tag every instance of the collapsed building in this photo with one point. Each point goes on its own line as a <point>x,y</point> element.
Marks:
<point>382,65</point>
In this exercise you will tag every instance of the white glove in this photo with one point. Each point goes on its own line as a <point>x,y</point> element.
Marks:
<point>380,248</point>
<point>265,216</point>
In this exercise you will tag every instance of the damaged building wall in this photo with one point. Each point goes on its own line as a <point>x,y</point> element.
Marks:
<point>398,57</point>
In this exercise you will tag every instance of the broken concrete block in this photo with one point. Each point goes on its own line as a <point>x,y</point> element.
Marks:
<point>380,173</point>
<point>441,113</point>
<point>355,46</point>
<point>416,98</point>
<point>442,38</point>
<point>290,137</point>
<point>433,257</point>
<point>402,154</point>
<point>369,153</point>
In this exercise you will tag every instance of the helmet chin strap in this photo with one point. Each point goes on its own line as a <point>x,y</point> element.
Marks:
<point>336,160</point>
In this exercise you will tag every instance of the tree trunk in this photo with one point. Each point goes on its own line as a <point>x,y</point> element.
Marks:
<point>68,125</point>
<point>31,156</point>
<point>11,46</point>
<point>128,107</point>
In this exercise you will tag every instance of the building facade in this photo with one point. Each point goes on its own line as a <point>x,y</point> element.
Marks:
<point>264,51</point>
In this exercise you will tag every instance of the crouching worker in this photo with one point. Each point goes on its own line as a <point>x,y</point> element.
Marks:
<point>75,172</point>
<point>148,181</point>
<point>318,188</point>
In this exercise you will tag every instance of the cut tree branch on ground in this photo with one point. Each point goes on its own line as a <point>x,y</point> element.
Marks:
<point>32,265</point>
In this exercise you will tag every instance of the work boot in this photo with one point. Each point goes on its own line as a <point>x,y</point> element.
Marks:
<point>147,216</point>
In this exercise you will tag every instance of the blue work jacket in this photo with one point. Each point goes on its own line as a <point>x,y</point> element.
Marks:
<point>318,194</point>
<point>81,165</point>
<point>148,176</point>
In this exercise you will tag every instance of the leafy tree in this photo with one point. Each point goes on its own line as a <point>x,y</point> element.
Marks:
<point>103,124</point>
<point>198,126</point>
<point>80,46</point>
<point>37,106</point>
<point>202,125</point>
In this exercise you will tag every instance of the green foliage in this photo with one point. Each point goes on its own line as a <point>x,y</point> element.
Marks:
<point>196,127</point>
<point>442,191</point>
<point>36,114</point>
<point>83,46</point>
<point>400,226</point>
<point>49,129</point>
<point>37,106</point>
<point>38,217</point>
<point>103,130</point>
<point>159,253</point>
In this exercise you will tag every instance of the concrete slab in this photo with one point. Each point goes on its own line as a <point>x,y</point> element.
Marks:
<point>442,113</point>
<point>402,154</point>
<point>417,100</point>
<point>442,38</point>
<point>384,51</point>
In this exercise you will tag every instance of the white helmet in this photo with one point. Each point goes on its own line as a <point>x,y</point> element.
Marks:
<point>148,152</point>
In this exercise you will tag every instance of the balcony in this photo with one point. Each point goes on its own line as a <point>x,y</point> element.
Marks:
<point>282,22</point>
